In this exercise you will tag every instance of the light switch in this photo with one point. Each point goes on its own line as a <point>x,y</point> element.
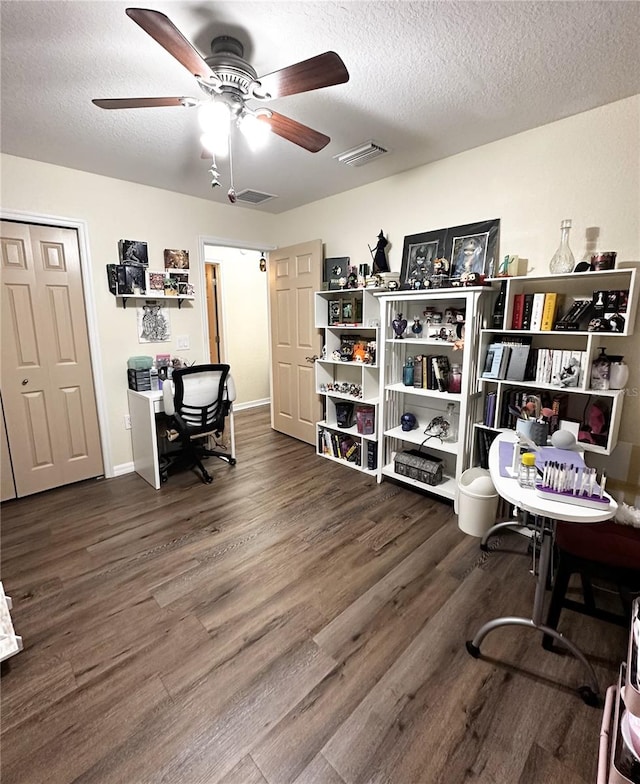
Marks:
<point>182,341</point>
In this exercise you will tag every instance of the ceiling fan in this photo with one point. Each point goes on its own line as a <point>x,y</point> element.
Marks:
<point>229,82</point>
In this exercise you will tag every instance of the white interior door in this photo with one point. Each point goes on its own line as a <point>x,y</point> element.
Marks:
<point>295,273</point>
<point>47,382</point>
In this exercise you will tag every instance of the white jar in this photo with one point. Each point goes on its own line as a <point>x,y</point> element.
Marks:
<point>618,373</point>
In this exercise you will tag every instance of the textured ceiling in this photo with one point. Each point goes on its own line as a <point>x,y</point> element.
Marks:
<point>428,80</point>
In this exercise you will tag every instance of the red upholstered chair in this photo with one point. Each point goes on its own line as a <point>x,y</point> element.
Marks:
<point>602,551</point>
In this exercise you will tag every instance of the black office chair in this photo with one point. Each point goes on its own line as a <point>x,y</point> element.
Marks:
<point>198,399</point>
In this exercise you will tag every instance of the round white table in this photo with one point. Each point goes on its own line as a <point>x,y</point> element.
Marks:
<point>547,513</point>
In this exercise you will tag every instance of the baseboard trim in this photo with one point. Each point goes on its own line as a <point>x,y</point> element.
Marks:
<point>251,404</point>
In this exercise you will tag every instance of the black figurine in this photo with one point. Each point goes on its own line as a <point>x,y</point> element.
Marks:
<point>380,263</point>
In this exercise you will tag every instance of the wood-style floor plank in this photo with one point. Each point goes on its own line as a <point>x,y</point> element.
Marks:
<point>292,623</point>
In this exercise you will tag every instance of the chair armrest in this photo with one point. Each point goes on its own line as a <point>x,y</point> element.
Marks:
<point>231,389</point>
<point>167,397</point>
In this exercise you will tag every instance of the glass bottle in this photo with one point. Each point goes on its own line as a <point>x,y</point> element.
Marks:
<point>527,472</point>
<point>562,261</point>
<point>407,372</point>
<point>498,309</point>
<point>452,431</point>
<point>455,379</point>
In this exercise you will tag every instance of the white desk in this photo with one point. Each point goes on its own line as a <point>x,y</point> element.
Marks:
<point>548,513</point>
<point>143,407</point>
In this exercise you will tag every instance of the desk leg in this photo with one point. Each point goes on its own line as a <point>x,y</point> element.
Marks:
<point>588,693</point>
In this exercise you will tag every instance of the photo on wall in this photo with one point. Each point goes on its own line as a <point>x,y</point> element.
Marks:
<point>153,324</point>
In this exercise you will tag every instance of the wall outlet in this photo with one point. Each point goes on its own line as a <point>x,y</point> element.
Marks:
<point>127,422</point>
<point>182,342</point>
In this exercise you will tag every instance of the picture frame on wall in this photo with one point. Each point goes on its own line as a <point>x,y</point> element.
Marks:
<point>418,256</point>
<point>176,259</point>
<point>473,249</point>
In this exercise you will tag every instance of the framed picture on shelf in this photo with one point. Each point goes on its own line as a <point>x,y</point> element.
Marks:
<point>418,257</point>
<point>176,259</point>
<point>133,252</point>
<point>473,249</point>
<point>335,311</point>
<point>335,269</point>
<point>155,282</point>
<point>348,309</point>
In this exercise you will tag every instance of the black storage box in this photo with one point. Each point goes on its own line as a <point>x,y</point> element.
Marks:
<point>140,380</point>
<point>419,466</point>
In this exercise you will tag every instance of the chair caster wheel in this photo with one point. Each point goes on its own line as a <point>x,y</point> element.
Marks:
<point>589,697</point>
<point>164,478</point>
<point>472,649</point>
<point>484,548</point>
<point>232,461</point>
<point>207,479</point>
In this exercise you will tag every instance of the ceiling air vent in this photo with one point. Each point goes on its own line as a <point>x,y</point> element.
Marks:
<point>254,197</point>
<point>358,156</point>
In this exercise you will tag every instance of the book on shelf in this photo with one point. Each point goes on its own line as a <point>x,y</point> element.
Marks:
<point>496,361</point>
<point>517,312</point>
<point>537,309</point>
<point>552,301</point>
<point>527,311</point>
<point>440,365</point>
<point>418,363</point>
<point>518,359</point>
<point>575,316</point>
<point>490,408</point>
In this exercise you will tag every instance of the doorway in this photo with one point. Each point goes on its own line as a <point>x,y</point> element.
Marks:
<point>214,310</point>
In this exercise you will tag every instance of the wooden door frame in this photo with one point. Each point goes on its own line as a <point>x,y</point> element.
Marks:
<point>82,231</point>
<point>202,283</point>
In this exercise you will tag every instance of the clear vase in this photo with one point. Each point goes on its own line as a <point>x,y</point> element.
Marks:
<point>563,261</point>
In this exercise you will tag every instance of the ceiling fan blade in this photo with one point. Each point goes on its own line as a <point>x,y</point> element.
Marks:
<point>162,29</point>
<point>136,103</point>
<point>296,132</point>
<point>324,70</point>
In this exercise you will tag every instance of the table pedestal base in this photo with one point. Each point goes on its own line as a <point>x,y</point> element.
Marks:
<point>590,693</point>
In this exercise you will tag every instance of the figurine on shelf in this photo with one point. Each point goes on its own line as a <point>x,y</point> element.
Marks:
<point>399,325</point>
<point>416,327</point>
<point>380,263</point>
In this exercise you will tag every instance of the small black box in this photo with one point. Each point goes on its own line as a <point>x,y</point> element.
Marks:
<point>372,455</point>
<point>140,380</point>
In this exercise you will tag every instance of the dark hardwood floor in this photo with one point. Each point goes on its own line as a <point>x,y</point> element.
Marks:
<point>292,622</point>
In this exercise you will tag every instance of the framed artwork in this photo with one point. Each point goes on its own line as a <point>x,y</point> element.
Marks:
<point>153,324</point>
<point>176,259</point>
<point>135,279</point>
<point>133,252</point>
<point>155,281</point>
<point>473,249</point>
<point>334,269</point>
<point>418,256</point>
<point>348,307</point>
<point>335,311</point>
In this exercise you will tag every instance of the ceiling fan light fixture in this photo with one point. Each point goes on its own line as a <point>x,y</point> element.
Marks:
<point>214,116</point>
<point>255,132</point>
<point>216,143</point>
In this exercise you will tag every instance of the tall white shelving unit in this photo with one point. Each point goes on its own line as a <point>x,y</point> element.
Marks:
<point>332,374</point>
<point>571,287</point>
<point>425,404</point>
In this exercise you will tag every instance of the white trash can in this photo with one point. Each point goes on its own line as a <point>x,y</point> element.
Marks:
<point>476,502</point>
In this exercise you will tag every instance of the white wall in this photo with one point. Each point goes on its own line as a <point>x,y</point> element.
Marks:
<point>586,168</point>
<point>245,295</point>
<point>115,210</point>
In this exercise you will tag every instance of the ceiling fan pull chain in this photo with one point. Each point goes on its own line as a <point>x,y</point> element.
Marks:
<point>231,193</point>
<point>215,174</point>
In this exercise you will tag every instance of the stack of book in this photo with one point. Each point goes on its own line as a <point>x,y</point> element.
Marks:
<point>506,360</point>
<point>338,445</point>
<point>560,368</point>
<point>431,372</point>
<point>535,312</point>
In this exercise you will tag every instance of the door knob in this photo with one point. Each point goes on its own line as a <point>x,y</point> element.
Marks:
<point>25,381</point>
<point>312,359</point>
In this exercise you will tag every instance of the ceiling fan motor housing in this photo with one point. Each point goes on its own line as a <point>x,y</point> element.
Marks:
<point>235,76</point>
